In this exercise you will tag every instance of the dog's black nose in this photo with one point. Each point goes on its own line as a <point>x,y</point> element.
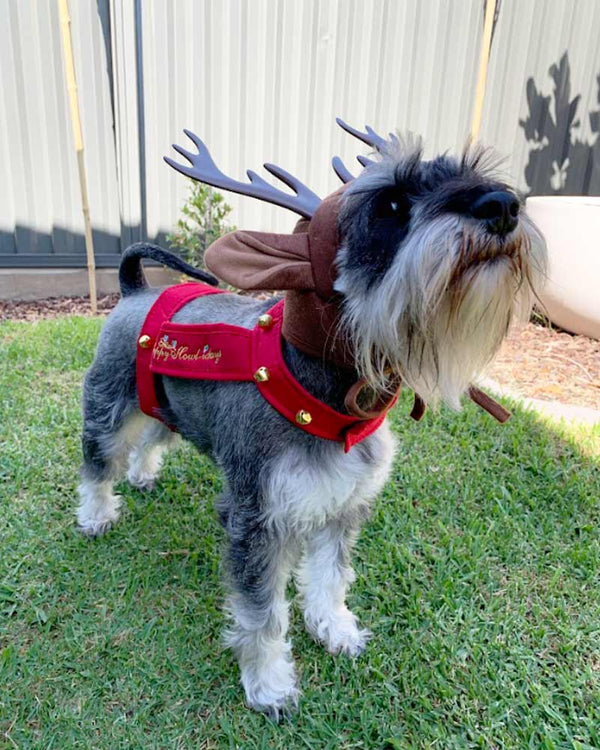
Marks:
<point>499,209</point>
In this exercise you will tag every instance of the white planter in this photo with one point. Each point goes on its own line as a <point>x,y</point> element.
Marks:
<point>571,226</point>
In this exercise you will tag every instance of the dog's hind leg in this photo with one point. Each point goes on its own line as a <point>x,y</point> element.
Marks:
<point>146,457</point>
<point>259,568</point>
<point>325,575</point>
<point>105,453</point>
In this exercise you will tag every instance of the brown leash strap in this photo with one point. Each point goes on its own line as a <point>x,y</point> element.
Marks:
<point>382,404</point>
<point>475,394</point>
<point>418,409</point>
<point>487,402</point>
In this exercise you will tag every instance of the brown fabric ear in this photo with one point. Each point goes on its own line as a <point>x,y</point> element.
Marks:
<point>262,260</point>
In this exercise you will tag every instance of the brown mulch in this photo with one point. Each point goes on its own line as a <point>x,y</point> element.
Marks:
<point>549,364</point>
<point>536,362</point>
<point>55,307</point>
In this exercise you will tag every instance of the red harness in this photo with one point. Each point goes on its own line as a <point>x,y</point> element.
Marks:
<point>224,352</point>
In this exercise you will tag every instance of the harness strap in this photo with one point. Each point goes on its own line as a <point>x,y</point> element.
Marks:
<point>294,402</point>
<point>226,352</point>
<point>168,303</point>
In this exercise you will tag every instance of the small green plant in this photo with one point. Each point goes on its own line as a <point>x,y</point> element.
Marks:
<point>203,220</point>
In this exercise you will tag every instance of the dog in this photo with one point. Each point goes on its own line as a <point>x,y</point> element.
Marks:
<point>435,260</point>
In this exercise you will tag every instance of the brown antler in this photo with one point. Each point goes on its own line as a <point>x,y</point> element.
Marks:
<point>204,169</point>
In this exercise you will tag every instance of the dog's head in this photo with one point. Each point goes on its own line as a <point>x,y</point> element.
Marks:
<point>437,259</point>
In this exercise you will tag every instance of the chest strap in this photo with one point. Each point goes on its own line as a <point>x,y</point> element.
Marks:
<point>167,304</point>
<point>224,352</point>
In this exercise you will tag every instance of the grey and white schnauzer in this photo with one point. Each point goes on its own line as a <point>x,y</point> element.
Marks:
<point>436,259</point>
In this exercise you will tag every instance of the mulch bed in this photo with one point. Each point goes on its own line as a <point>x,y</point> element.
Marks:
<point>536,362</point>
<point>55,307</point>
<point>549,364</point>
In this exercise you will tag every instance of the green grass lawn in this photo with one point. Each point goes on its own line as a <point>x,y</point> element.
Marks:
<point>478,573</point>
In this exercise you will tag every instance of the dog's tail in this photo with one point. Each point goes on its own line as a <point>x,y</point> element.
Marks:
<point>131,274</point>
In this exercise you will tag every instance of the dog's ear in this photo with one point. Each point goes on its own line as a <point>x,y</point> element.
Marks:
<point>262,260</point>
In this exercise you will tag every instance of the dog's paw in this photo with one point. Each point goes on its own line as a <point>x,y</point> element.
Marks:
<point>350,642</point>
<point>277,705</point>
<point>272,690</point>
<point>95,522</point>
<point>140,479</point>
<point>339,632</point>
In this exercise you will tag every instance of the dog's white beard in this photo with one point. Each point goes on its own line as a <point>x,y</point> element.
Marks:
<point>434,318</point>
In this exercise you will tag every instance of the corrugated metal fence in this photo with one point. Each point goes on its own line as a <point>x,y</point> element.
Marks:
<point>263,80</point>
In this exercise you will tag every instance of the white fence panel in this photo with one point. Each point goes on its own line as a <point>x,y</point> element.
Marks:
<point>263,81</point>
<point>531,37</point>
<point>40,206</point>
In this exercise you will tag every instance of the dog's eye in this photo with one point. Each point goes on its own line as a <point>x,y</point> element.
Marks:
<point>393,207</point>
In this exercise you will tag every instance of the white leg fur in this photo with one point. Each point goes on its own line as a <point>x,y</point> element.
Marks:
<point>145,460</point>
<point>324,578</point>
<point>98,508</point>
<point>264,656</point>
<point>258,638</point>
<point>324,504</point>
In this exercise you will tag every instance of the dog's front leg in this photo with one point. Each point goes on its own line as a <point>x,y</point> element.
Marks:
<point>259,567</point>
<point>325,575</point>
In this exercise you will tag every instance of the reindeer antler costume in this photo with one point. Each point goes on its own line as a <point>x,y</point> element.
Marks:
<point>303,265</point>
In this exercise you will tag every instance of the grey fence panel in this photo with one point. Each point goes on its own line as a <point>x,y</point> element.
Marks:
<point>263,80</point>
<point>542,107</point>
<point>41,222</point>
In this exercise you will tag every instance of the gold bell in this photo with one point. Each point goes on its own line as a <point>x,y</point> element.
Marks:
<point>145,341</point>
<point>261,375</point>
<point>303,417</point>
<point>265,321</point>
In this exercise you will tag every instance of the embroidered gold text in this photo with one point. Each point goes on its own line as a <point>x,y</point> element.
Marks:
<point>166,350</point>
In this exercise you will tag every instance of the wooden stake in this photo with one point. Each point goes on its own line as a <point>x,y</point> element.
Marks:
<point>484,58</point>
<point>71,81</point>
